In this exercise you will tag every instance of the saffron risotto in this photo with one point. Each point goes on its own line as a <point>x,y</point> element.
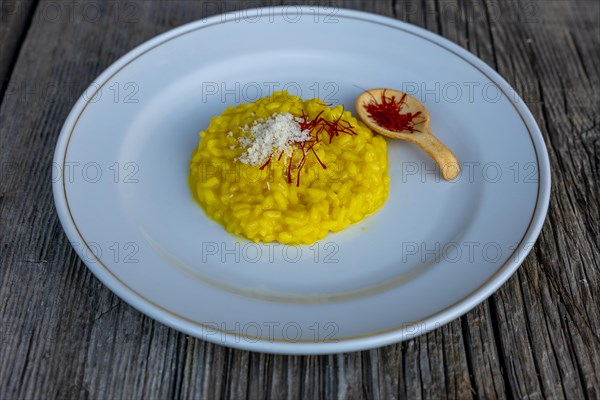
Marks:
<point>292,199</point>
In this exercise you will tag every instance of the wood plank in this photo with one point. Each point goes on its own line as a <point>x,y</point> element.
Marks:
<point>15,19</point>
<point>548,313</point>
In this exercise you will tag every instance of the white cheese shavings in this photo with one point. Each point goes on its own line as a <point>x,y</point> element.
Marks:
<point>270,136</point>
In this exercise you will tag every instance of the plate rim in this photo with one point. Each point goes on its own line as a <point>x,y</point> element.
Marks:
<point>361,342</point>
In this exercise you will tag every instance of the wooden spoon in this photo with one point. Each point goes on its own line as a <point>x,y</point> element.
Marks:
<point>422,136</point>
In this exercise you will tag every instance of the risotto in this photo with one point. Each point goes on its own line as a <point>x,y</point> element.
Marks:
<point>287,170</point>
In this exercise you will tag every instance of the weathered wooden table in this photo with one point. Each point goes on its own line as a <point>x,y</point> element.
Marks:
<point>64,335</point>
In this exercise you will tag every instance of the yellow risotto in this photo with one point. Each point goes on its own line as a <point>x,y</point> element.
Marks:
<point>334,175</point>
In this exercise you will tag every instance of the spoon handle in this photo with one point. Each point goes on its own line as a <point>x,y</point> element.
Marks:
<point>442,155</point>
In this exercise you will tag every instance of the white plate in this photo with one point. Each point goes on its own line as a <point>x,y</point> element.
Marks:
<point>434,251</point>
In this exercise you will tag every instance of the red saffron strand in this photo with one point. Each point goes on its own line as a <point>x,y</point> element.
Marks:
<point>265,164</point>
<point>317,157</point>
<point>300,165</point>
<point>315,127</point>
<point>289,169</point>
<point>388,114</point>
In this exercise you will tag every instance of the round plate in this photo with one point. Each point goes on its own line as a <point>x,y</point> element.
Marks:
<point>435,250</point>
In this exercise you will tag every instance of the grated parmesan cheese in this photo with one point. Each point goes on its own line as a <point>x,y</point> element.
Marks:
<point>272,135</point>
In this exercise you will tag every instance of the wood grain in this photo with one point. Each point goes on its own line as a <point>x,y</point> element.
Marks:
<point>15,19</point>
<point>64,335</point>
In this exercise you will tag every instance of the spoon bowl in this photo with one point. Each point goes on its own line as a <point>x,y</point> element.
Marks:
<point>420,134</point>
